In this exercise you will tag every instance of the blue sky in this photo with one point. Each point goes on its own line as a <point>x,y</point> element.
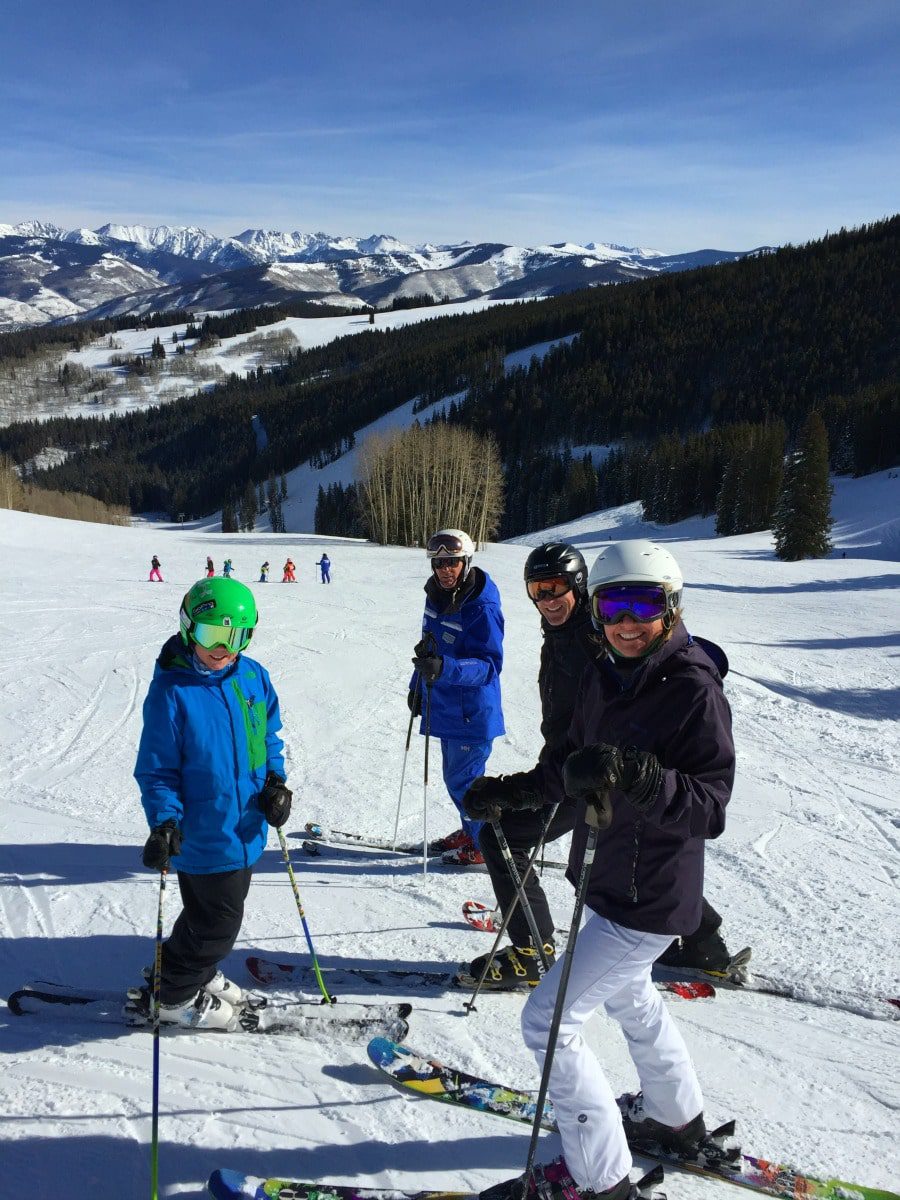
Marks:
<point>674,124</point>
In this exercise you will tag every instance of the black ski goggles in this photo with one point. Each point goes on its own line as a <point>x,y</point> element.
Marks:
<point>438,564</point>
<point>642,602</point>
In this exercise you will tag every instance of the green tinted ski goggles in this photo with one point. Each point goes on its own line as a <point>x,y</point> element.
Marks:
<point>232,637</point>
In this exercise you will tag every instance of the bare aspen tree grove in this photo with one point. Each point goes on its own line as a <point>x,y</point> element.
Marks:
<point>427,478</point>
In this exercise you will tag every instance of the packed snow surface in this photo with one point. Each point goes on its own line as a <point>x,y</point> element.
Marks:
<point>806,872</point>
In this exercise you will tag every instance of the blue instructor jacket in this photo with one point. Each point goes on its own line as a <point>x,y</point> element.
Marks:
<point>207,744</point>
<point>467,625</point>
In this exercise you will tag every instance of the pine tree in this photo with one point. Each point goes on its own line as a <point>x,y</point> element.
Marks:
<point>803,511</point>
<point>229,522</point>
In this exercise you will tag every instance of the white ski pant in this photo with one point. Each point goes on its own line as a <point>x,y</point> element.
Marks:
<point>610,969</point>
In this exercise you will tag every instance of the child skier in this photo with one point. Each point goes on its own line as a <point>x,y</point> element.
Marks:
<point>227,568</point>
<point>264,573</point>
<point>210,569</point>
<point>325,564</point>
<point>211,774</point>
<point>154,570</point>
<point>288,576</point>
<point>651,717</point>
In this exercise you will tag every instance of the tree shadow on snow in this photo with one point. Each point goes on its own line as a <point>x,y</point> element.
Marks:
<point>866,583</point>
<point>93,1165</point>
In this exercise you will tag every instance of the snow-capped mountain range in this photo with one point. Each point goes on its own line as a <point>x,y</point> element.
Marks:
<point>48,273</point>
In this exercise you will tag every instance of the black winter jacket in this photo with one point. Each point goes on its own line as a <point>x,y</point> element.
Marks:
<point>565,652</point>
<point>648,870</point>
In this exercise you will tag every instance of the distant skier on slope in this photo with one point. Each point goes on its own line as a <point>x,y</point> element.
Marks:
<point>155,574</point>
<point>288,572</point>
<point>264,573</point>
<point>650,747</point>
<point>556,583</point>
<point>459,660</point>
<point>210,568</point>
<point>324,565</point>
<point>211,773</point>
<point>227,568</point>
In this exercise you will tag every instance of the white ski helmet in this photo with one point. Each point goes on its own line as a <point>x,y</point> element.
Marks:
<point>451,543</point>
<point>637,561</point>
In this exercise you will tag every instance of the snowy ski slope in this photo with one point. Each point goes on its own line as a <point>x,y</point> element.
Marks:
<point>807,871</point>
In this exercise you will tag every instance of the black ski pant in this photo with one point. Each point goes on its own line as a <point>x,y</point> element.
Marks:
<point>204,932</point>
<point>523,832</point>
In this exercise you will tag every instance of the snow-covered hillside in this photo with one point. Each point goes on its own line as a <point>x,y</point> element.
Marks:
<point>806,871</point>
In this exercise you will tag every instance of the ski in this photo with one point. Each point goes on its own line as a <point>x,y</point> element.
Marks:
<point>683,989</point>
<point>429,1077</point>
<point>737,977</point>
<point>268,973</point>
<point>351,1022</point>
<point>315,834</point>
<point>231,1185</point>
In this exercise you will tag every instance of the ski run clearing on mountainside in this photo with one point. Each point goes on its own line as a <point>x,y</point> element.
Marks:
<point>806,872</point>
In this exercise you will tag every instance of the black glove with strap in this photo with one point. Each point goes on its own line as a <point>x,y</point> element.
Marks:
<point>275,800</point>
<point>594,770</point>
<point>489,796</point>
<point>163,843</point>
<point>428,662</point>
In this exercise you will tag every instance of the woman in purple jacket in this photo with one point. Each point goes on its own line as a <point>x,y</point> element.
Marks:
<point>652,713</point>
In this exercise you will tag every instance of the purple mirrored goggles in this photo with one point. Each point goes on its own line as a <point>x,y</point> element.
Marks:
<point>643,602</point>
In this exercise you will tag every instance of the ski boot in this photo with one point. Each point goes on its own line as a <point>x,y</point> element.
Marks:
<point>225,989</point>
<point>552,1181</point>
<point>451,842</point>
<point>201,1012</point>
<point>706,957</point>
<point>464,856</point>
<point>689,1143</point>
<point>514,968</point>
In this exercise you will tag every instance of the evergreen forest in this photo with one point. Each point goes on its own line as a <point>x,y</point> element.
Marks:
<point>698,384</point>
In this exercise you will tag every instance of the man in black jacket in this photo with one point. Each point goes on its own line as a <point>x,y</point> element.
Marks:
<point>556,582</point>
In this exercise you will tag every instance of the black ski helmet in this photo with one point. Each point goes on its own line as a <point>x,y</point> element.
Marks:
<point>558,558</point>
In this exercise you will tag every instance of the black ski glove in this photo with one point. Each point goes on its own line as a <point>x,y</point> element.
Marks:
<point>427,661</point>
<point>489,796</point>
<point>163,843</point>
<point>275,800</point>
<point>414,701</point>
<point>596,768</point>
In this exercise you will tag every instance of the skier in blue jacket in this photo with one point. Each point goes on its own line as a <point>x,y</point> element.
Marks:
<point>458,661</point>
<point>211,773</point>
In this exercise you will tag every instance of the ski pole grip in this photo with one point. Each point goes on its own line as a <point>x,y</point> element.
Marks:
<point>599,812</point>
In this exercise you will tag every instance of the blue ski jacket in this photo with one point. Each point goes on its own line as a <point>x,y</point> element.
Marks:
<point>207,744</point>
<point>467,625</point>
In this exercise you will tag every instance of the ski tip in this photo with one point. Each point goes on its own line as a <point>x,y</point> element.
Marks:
<point>405,1010</point>
<point>648,1182</point>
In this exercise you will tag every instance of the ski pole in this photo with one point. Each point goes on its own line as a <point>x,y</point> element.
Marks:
<point>412,716</point>
<point>430,648</point>
<point>598,816</point>
<point>157,984</point>
<point>425,784</point>
<point>469,1005</point>
<point>326,997</point>
<point>543,960</point>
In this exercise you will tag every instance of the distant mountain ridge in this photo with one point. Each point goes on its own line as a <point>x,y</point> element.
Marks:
<point>48,273</point>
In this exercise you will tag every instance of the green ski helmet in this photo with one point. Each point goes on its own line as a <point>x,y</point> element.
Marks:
<point>218,612</point>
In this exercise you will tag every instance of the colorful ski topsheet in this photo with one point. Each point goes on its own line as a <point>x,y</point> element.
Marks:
<point>428,1077</point>
<point>231,1185</point>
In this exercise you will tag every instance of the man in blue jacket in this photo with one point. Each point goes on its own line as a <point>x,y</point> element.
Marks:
<point>211,773</point>
<point>458,664</point>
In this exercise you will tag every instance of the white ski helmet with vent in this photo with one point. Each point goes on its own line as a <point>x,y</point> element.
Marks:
<point>451,543</point>
<point>638,561</point>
